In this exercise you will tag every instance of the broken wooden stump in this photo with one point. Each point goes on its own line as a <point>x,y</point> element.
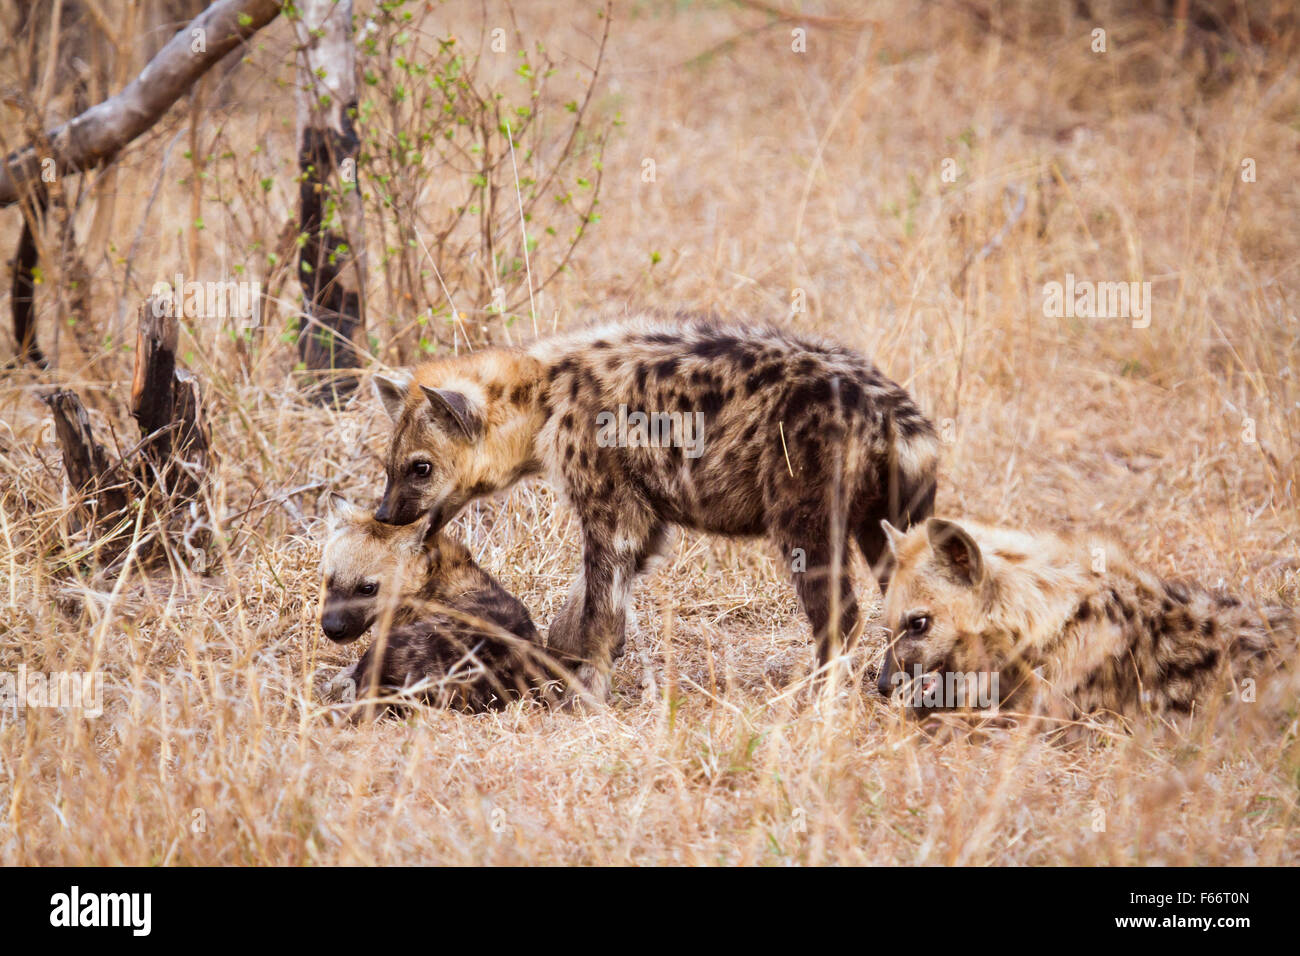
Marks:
<point>164,474</point>
<point>166,404</point>
<point>102,492</point>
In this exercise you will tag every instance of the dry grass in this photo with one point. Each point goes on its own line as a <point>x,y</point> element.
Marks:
<point>775,171</point>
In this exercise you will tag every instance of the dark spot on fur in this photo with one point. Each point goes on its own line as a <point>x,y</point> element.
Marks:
<point>910,426</point>
<point>811,393</point>
<point>762,377</point>
<point>1181,670</point>
<point>712,349</point>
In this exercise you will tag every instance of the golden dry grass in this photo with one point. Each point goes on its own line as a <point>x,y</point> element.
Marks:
<point>776,171</point>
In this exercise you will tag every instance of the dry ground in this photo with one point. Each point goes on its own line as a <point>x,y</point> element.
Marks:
<point>775,171</point>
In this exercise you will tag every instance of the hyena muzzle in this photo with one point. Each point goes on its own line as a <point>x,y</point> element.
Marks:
<point>649,424</point>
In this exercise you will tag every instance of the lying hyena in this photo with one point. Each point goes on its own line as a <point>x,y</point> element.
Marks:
<point>451,630</point>
<point>742,431</point>
<point>1069,628</point>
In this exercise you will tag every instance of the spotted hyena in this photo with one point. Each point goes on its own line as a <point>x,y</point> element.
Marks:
<point>648,424</point>
<point>446,625</point>
<point>1069,627</point>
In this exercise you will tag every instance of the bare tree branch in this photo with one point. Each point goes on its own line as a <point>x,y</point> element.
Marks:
<point>101,131</point>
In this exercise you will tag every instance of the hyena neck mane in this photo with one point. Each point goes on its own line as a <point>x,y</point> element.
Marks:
<point>450,570</point>
<point>1029,598</point>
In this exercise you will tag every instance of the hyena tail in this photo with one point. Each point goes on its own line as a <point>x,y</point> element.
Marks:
<point>905,488</point>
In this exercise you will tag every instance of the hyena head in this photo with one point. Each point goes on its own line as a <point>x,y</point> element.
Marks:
<point>437,439</point>
<point>940,609</point>
<point>368,568</point>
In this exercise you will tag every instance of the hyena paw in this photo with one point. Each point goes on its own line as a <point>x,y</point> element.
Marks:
<point>341,688</point>
<point>591,685</point>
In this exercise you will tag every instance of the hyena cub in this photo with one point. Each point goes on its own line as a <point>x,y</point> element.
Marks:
<point>454,633</point>
<point>1066,627</point>
<point>650,423</point>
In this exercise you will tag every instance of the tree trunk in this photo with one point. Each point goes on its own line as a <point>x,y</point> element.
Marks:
<point>331,264</point>
<point>22,296</point>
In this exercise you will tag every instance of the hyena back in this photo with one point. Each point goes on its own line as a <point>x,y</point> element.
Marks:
<point>1069,625</point>
<point>451,627</point>
<point>747,431</point>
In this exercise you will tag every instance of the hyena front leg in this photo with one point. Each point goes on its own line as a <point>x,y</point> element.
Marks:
<point>564,637</point>
<point>807,552</point>
<point>592,625</point>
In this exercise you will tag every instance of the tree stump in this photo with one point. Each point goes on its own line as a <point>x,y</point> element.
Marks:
<point>164,474</point>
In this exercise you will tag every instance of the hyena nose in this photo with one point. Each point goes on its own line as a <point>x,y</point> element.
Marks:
<point>886,683</point>
<point>385,513</point>
<point>334,625</point>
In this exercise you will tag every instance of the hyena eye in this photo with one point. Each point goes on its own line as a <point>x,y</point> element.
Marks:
<point>917,624</point>
<point>421,469</point>
<point>367,589</point>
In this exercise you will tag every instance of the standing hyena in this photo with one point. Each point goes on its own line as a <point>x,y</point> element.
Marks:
<point>648,424</point>
<point>1069,627</point>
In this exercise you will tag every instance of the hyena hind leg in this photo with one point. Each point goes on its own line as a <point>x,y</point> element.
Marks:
<point>906,503</point>
<point>807,552</point>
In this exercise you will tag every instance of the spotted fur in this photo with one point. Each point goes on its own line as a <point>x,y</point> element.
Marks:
<point>445,625</point>
<point>804,441</point>
<point>1070,625</point>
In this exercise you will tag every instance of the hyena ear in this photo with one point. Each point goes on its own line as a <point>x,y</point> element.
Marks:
<point>956,550</point>
<point>456,412</point>
<point>893,537</point>
<point>886,563</point>
<point>391,393</point>
<point>411,537</point>
<point>342,511</point>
